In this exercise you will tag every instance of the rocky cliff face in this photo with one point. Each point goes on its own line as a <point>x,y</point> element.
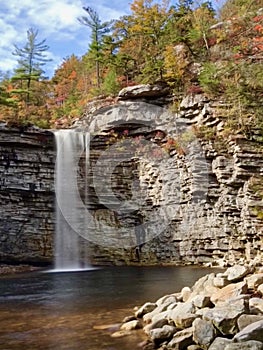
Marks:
<point>161,187</point>
<point>26,195</point>
<point>196,198</point>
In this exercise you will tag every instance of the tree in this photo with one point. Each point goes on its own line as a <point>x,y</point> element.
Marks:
<point>202,18</point>
<point>32,57</point>
<point>233,8</point>
<point>141,38</point>
<point>5,97</point>
<point>98,30</point>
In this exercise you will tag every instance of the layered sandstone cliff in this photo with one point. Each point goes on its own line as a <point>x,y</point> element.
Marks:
<point>161,187</point>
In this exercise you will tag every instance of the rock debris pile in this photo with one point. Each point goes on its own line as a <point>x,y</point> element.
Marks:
<point>222,311</point>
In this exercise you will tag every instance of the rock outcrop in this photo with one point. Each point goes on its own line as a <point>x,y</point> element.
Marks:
<point>219,324</point>
<point>26,195</point>
<point>198,197</point>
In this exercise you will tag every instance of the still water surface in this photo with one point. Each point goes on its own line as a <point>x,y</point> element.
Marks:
<point>58,311</point>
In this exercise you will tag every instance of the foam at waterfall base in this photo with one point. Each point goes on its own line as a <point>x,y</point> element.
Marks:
<point>73,269</point>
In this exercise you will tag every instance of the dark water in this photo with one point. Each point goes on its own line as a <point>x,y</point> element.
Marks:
<point>57,311</point>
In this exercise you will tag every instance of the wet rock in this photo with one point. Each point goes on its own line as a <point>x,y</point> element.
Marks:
<point>108,327</point>
<point>121,333</point>
<point>129,326</point>
<point>147,345</point>
<point>128,318</point>
<point>27,162</point>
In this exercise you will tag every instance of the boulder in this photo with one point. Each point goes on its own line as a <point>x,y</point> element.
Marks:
<point>245,320</point>
<point>237,272</point>
<point>158,310</point>
<point>129,326</point>
<point>254,331</point>
<point>181,339</point>
<point>155,315</point>
<point>183,314</point>
<point>120,334</point>
<point>186,293</point>
<point>256,305</point>
<point>194,347</point>
<point>147,345</point>
<point>143,91</point>
<point>230,291</point>
<point>153,325</point>
<point>204,286</point>
<point>158,335</point>
<point>203,332</point>
<point>219,344</point>
<point>201,301</point>
<point>260,289</point>
<point>254,280</point>
<point>220,281</point>
<point>172,298</point>
<point>224,317</point>
<point>128,318</point>
<point>185,320</point>
<point>248,345</point>
<point>147,307</point>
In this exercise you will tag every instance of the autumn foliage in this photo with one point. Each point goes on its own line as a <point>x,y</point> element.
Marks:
<point>189,46</point>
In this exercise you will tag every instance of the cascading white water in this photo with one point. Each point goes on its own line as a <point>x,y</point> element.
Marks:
<point>70,215</point>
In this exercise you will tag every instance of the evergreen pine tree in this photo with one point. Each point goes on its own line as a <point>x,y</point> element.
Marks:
<point>98,30</point>
<point>31,59</point>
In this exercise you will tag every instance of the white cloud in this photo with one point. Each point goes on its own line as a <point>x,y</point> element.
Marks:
<point>55,20</point>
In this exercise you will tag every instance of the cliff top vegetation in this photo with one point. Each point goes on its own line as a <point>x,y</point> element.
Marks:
<point>189,47</point>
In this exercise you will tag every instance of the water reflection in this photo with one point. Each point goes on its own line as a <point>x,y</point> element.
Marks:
<point>58,311</point>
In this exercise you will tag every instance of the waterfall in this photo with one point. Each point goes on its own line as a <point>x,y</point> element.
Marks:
<point>70,211</point>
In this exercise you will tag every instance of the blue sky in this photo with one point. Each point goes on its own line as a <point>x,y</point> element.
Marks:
<point>56,21</point>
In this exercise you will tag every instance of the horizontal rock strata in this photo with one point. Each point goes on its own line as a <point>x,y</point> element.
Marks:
<point>26,195</point>
<point>162,187</point>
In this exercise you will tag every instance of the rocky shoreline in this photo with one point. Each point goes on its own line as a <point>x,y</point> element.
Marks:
<point>222,311</point>
<point>6,269</point>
